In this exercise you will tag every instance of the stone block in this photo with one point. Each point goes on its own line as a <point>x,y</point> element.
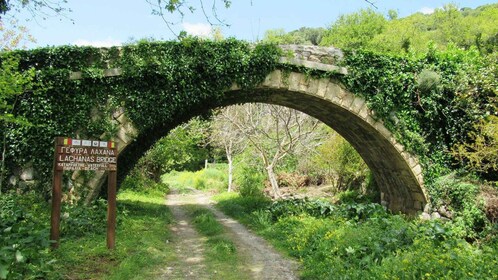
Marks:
<point>425,216</point>
<point>435,216</point>
<point>273,80</point>
<point>411,160</point>
<point>27,174</point>
<point>363,112</point>
<point>314,58</point>
<point>395,206</point>
<point>122,119</point>
<point>357,104</point>
<point>112,72</point>
<point>333,93</point>
<point>417,205</point>
<point>379,126</point>
<point>417,169</point>
<point>400,148</point>
<point>347,101</point>
<point>13,180</point>
<point>417,196</point>
<point>123,136</point>
<point>234,87</point>
<point>427,208</point>
<point>370,120</point>
<point>312,86</point>
<point>75,175</point>
<point>420,179</point>
<point>323,84</point>
<point>293,81</point>
<point>118,113</point>
<point>304,82</point>
<point>75,76</point>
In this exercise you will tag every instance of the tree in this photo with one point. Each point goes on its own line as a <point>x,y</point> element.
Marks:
<point>182,149</point>
<point>304,35</point>
<point>13,36</point>
<point>341,163</point>
<point>355,30</point>
<point>481,152</point>
<point>225,135</point>
<point>274,132</point>
<point>37,8</point>
<point>447,25</point>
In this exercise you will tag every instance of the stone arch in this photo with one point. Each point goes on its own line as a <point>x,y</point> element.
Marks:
<point>397,173</point>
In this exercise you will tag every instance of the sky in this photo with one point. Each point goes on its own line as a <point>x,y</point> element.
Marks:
<point>106,23</point>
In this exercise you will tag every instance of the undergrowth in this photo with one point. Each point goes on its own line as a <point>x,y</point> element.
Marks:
<point>363,241</point>
<point>141,235</point>
<point>214,179</point>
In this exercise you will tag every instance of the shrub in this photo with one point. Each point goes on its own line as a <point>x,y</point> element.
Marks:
<point>210,178</point>
<point>250,181</point>
<point>24,238</point>
<point>139,182</point>
<point>454,259</point>
<point>79,220</point>
<point>462,198</point>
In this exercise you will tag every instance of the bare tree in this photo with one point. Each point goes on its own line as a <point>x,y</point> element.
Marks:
<point>226,136</point>
<point>36,8</point>
<point>274,132</point>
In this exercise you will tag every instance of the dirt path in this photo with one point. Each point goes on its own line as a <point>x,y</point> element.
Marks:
<point>187,242</point>
<point>262,260</point>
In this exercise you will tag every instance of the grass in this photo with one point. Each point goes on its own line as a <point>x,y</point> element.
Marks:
<point>214,178</point>
<point>355,241</point>
<point>221,256</point>
<point>141,243</point>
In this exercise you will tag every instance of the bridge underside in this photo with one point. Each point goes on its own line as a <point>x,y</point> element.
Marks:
<point>397,173</point>
<point>399,187</point>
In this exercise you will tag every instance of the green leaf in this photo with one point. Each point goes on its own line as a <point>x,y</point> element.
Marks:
<point>19,256</point>
<point>350,250</point>
<point>4,271</point>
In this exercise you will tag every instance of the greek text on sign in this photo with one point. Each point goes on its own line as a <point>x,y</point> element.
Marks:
<point>76,154</point>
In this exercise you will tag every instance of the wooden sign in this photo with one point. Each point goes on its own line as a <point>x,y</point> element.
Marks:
<point>76,154</point>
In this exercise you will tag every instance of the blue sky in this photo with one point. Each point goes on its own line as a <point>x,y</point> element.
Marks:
<point>114,22</point>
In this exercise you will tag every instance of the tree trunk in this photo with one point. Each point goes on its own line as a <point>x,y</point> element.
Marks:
<point>273,181</point>
<point>230,172</point>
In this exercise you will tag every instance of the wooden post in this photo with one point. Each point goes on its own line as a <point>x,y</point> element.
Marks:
<point>76,154</point>
<point>56,202</point>
<point>111,209</point>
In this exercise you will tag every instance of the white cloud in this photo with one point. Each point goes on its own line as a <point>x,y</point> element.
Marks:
<point>197,29</point>
<point>109,42</point>
<point>426,10</point>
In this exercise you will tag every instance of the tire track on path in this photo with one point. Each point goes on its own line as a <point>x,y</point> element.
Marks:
<point>264,262</point>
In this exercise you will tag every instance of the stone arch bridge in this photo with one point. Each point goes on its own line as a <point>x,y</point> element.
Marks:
<point>397,172</point>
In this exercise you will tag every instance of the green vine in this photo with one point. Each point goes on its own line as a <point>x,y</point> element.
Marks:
<point>422,100</point>
<point>160,81</point>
